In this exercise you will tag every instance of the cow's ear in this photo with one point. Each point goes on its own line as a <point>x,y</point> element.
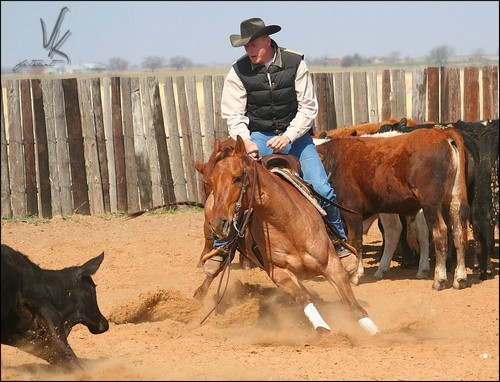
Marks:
<point>91,266</point>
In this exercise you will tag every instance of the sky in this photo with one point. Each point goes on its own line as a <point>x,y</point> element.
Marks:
<point>200,30</point>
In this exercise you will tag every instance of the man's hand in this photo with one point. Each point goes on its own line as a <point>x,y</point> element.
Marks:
<point>278,143</point>
<point>251,148</point>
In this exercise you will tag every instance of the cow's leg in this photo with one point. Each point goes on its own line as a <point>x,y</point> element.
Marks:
<point>355,235</point>
<point>484,236</point>
<point>459,227</point>
<point>51,343</point>
<point>419,226</point>
<point>392,231</point>
<point>409,243</point>
<point>439,232</point>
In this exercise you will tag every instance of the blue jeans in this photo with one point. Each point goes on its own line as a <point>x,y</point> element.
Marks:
<point>312,171</point>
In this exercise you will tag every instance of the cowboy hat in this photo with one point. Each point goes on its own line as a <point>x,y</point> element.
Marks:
<point>251,29</point>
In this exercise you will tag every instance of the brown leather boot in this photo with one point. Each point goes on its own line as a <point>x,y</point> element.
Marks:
<point>348,259</point>
<point>213,266</point>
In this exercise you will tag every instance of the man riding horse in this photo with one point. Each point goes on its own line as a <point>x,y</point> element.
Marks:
<point>269,101</point>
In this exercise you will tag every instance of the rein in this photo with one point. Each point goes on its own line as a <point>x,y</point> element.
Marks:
<point>247,213</point>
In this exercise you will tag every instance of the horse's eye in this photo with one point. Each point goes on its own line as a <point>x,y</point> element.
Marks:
<point>238,180</point>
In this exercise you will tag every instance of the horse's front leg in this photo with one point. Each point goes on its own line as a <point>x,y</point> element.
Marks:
<point>202,290</point>
<point>290,284</point>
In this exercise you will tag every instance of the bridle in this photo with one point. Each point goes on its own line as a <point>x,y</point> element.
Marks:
<point>236,215</point>
<point>240,223</point>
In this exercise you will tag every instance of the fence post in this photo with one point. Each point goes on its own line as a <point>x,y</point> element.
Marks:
<point>418,92</point>
<point>208,103</point>
<point>194,118</point>
<point>490,92</point>
<point>471,94</point>
<point>43,153</point>
<point>119,151</point>
<point>360,88</point>
<point>50,128</point>
<point>374,115</point>
<point>90,149</point>
<point>133,199</point>
<point>398,94</point>
<point>29,149</point>
<point>101,141</point>
<point>5,205</point>
<point>175,144</point>
<point>187,140</point>
<point>15,142</point>
<point>450,94</point>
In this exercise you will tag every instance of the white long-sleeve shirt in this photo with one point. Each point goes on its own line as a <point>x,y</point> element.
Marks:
<point>234,103</point>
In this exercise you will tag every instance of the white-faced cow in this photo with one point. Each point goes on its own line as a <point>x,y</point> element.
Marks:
<point>40,306</point>
<point>424,170</point>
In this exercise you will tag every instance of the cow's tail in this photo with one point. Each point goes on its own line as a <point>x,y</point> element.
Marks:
<point>174,204</point>
<point>460,184</point>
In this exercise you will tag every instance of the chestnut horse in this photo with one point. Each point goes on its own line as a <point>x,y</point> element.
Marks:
<point>290,235</point>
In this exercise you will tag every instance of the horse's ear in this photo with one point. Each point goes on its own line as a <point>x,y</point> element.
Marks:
<point>240,146</point>
<point>199,166</point>
<point>217,145</point>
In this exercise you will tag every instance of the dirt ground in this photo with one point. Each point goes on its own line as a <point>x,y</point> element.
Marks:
<point>145,287</point>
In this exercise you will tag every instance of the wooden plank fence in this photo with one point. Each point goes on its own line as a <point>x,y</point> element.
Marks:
<point>124,144</point>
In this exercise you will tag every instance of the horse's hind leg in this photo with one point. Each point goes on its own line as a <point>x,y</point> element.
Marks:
<point>337,277</point>
<point>289,283</point>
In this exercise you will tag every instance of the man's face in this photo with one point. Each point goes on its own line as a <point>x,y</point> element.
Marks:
<point>259,50</point>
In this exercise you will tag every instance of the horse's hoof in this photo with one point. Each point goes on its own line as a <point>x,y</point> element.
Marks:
<point>368,324</point>
<point>322,331</point>
<point>198,294</point>
<point>354,280</point>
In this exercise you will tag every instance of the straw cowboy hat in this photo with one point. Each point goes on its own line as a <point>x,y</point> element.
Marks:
<point>251,29</point>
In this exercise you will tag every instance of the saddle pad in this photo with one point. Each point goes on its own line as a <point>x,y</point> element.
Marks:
<point>300,184</point>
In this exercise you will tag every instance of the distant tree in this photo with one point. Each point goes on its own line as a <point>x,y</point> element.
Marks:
<point>354,60</point>
<point>153,62</point>
<point>319,61</point>
<point>479,52</point>
<point>394,57</point>
<point>179,62</point>
<point>117,63</point>
<point>440,55</point>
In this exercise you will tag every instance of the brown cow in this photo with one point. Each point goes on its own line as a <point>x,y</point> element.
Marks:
<point>402,174</point>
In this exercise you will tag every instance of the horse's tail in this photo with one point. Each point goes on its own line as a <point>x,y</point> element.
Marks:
<point>139,213</point>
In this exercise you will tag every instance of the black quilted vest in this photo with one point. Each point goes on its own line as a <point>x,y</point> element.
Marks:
<point>270,106</point>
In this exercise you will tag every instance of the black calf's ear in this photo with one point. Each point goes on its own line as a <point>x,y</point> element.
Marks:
<point>91,266</point>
